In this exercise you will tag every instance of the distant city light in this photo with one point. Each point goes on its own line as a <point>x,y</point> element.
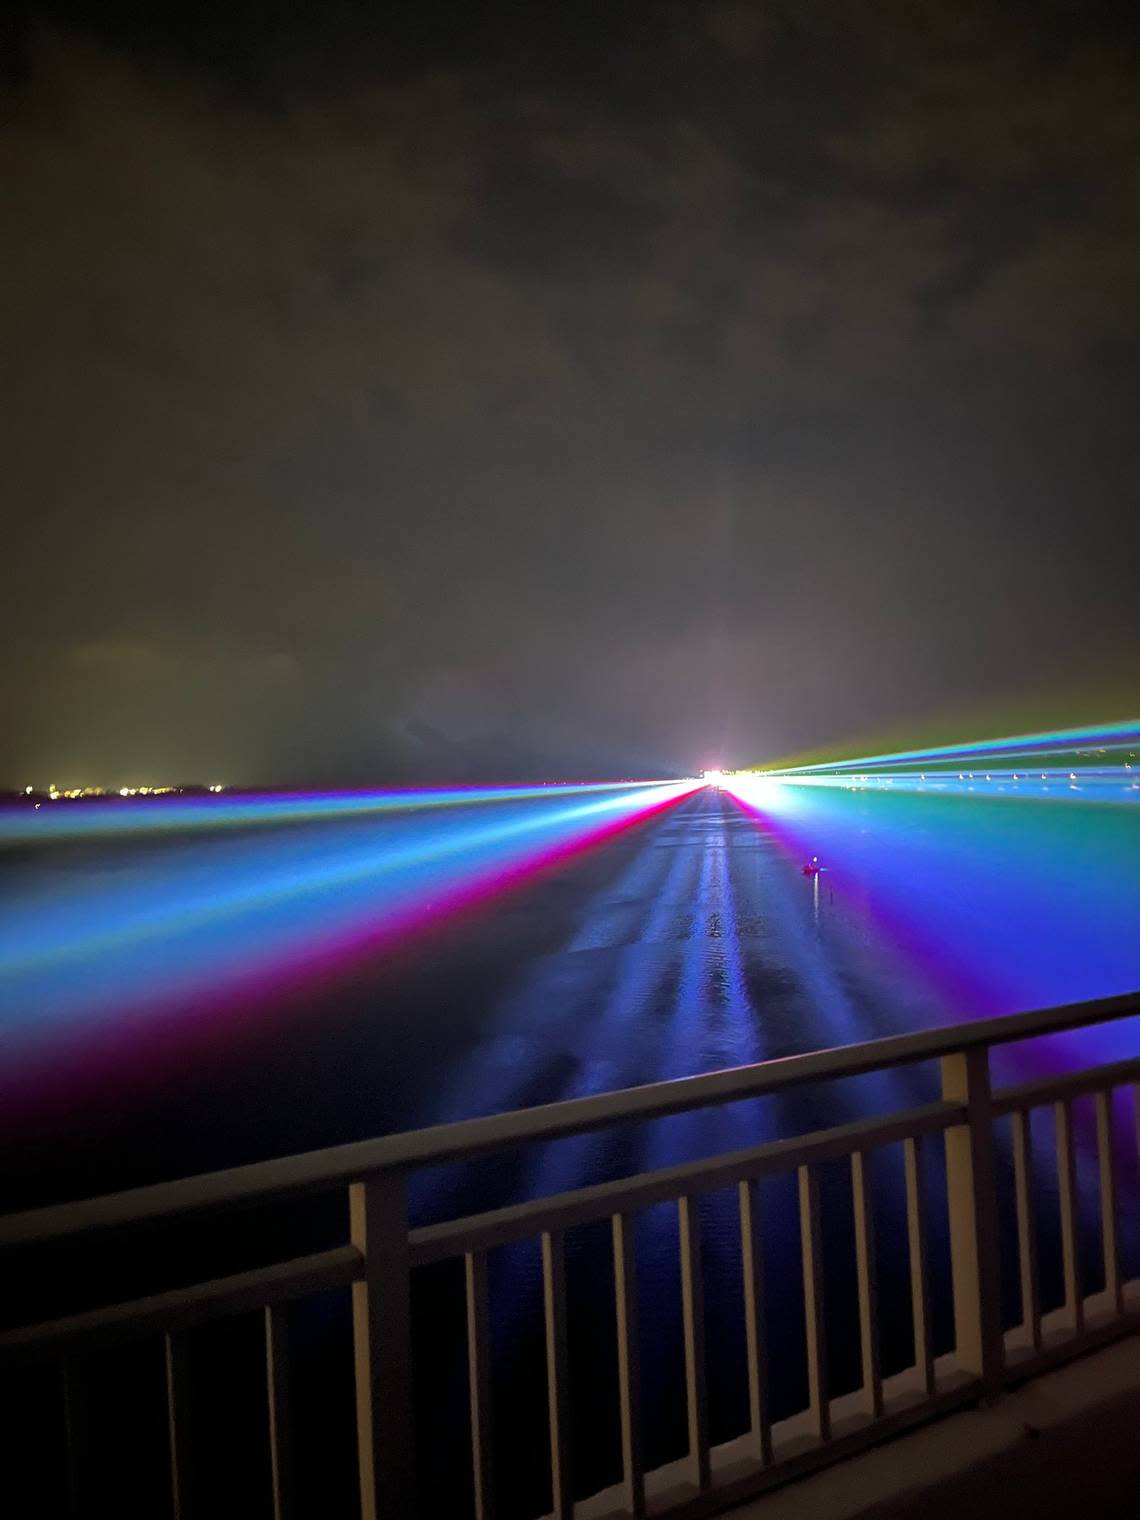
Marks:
<point>72,793</point>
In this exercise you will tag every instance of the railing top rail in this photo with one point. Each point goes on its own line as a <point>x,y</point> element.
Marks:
<point>561,1211</point>
<point>1062,1085</point>
<point>324,1169</point>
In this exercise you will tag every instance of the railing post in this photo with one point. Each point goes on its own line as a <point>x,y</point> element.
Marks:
<point>71,1439</point>
<point>278,1398</point>
<point>177,1425</point>
<point>919,1279</point>
<point>971,1196</point>
<point>381,1331</point>
<point>629,1368</point>
<point>479,1381</point>
<point>557,1373</point>
<point>693,1324</point>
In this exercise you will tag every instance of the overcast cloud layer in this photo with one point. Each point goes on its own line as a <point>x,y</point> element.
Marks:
<point>443,392</point>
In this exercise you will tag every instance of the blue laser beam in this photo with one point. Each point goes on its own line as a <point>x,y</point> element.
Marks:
<point>62,819</point>
<point>117,939</point>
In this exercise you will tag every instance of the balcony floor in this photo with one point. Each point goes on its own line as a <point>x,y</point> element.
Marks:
<point>1062,1444</point>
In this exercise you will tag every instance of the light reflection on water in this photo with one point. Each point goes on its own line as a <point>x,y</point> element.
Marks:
<point>736,956</point>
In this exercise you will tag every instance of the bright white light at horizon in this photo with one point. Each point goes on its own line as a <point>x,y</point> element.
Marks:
<point>713,778</point>
<point>756,788</point>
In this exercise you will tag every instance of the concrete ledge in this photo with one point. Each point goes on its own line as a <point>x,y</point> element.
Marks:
<point>1067,1442</point>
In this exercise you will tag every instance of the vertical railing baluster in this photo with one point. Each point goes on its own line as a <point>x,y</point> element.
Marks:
<point>867,1282</point>
<point>1106,1158</point>
<point>693,1320</point>
<point>916,1242</point>
<point>177,1414</point>
<point>812,1253</point>
<point>1026,1226</point>
<point>759,1422</point>
<point>557,1373</point>
<point>479,1379</point>
<point>1067,1192</point>
<point>381,1328</point>
<point>629,1374</point>
<point>277,1385</point>
<point>971,1197</point>
<point>70,1435</point>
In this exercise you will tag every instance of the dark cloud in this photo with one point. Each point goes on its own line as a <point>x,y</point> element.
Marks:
<point>437,389</point>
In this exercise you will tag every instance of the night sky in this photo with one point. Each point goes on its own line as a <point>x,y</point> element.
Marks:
<point>426,391</point>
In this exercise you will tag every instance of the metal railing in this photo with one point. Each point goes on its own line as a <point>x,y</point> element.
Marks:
<point>382,1253</point>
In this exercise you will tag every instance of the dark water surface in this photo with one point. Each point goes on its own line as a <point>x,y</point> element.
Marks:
<point>690,943</point>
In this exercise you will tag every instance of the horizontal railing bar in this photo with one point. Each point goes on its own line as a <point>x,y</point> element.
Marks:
<point>628,1195</point>
<point>1070,1084</point>
<point>186,1306</point>
<point>448,1142</point>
